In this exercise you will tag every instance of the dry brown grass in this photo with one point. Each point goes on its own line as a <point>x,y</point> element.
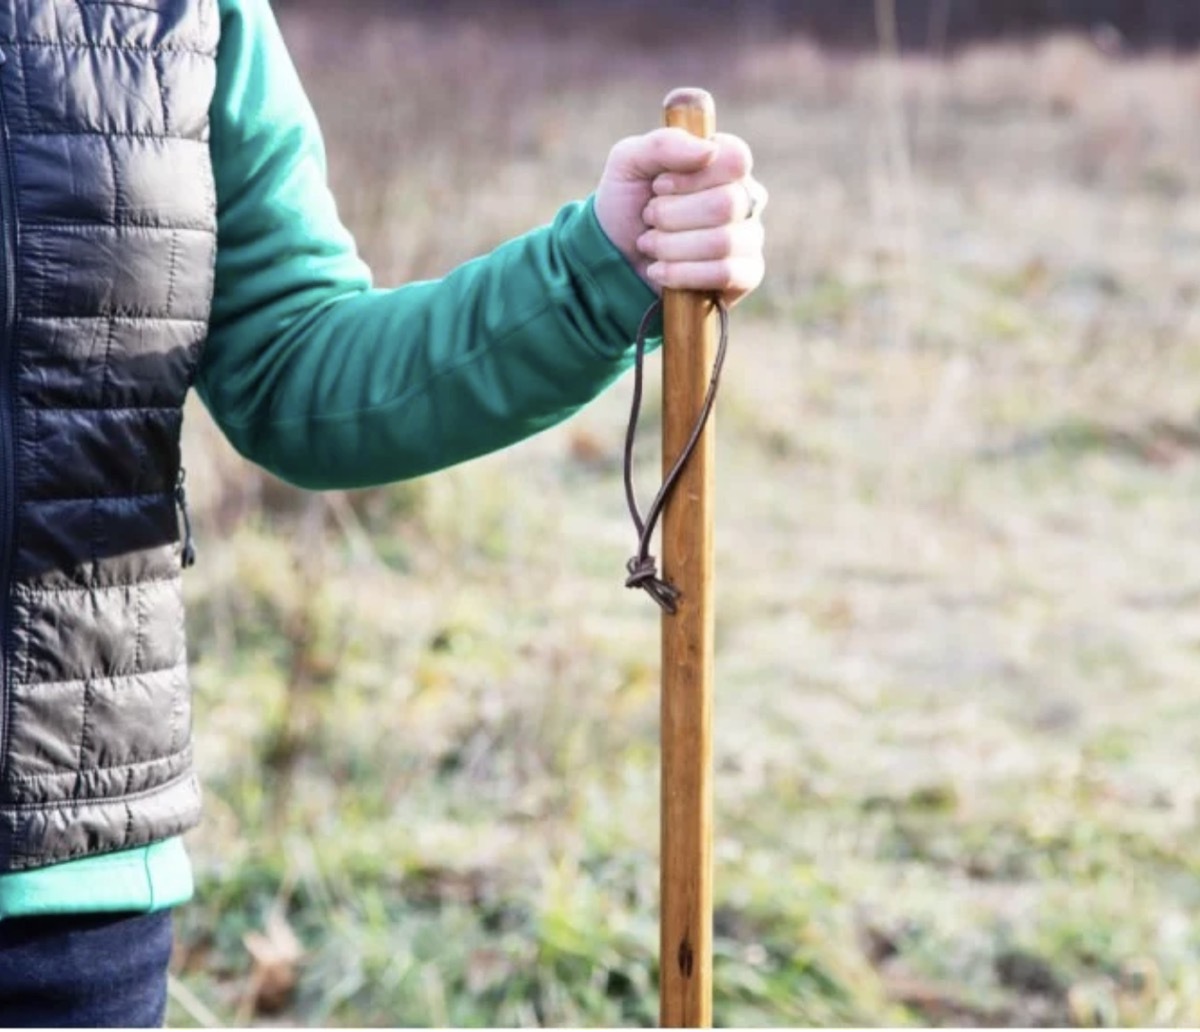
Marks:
<point>957,725</point>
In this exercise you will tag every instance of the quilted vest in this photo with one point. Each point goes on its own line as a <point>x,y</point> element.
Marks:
<point>107,244</point>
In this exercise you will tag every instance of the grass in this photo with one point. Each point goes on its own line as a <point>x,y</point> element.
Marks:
<point>956,718</point>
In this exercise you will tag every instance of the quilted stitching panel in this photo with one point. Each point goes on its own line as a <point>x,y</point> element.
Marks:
<point>107,104</point>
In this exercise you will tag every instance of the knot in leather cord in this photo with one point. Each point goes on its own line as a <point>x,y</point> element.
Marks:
<point>643,573</point>
<point>643,567</point>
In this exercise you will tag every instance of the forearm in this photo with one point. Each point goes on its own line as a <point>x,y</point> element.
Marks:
<point>371,386</point>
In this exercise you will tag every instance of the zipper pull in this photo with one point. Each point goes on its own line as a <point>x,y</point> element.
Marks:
<point>189,547</point>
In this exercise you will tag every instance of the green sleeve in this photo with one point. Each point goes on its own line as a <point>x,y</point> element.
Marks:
<point>331,383</point>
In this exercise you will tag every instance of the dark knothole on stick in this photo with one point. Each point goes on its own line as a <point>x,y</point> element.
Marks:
<point>687,959</point>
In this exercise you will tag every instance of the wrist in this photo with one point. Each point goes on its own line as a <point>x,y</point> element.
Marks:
<point>614,277</point>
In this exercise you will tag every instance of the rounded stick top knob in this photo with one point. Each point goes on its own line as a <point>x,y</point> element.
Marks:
<point>693,98</point>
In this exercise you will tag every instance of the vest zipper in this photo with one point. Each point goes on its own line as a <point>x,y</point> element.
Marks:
<point>8,245</point>
<point>188,557</point>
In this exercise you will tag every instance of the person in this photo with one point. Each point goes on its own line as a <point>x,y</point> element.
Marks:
<point>165,223</point>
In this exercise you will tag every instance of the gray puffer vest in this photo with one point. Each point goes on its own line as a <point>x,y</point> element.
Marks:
<point>107,243</point>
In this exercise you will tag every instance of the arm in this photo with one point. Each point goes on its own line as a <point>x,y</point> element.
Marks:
<point>329,383</point>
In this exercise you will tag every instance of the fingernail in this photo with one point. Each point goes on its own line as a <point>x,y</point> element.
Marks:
<point>644,241</point>
<point>655,271</point>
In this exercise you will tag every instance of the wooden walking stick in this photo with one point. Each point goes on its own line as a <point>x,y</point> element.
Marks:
<point>692,361</point>
<point>689,342</point>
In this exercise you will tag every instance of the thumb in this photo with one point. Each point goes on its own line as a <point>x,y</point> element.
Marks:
<point>658,151</point>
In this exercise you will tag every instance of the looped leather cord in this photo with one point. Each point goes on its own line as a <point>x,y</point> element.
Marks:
<point>643,567</point>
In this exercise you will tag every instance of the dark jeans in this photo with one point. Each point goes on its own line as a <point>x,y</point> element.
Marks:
<point>85,970</point>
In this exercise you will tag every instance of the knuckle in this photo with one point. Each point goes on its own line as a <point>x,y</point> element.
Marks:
<point>742,239</point>
<point>753,271</point>
<point>739,159</point>
<point>726,239</point>
<point>624,146</point>
<point>725,204</point>
<point>714,274</point>
<point>622,153</point>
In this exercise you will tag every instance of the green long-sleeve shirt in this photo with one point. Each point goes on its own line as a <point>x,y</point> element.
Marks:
<point>331,383</point>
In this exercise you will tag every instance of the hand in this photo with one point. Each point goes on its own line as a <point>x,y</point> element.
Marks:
<point>685,212</point>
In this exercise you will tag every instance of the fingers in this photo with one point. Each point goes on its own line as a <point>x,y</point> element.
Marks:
<point>739,240</point>
<point>685,211</point>
<point>733,161</point>
<point>714,206</point>
<point>704,228</point>
<point>732,278</point>
<point>661,151</point>
<point>720,192</point>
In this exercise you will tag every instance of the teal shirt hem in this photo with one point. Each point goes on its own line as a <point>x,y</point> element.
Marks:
<point>153,877</point>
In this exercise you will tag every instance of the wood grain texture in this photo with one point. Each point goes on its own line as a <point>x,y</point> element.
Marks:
<point>689,343</point>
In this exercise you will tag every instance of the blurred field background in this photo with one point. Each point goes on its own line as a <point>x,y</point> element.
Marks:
<point>958,717</point>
